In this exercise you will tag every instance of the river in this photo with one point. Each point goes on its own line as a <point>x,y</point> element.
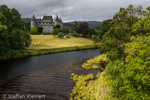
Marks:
<point>43,75</point>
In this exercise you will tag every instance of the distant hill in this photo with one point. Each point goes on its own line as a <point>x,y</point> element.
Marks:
<point>26,20</point>
<point>94,24</point>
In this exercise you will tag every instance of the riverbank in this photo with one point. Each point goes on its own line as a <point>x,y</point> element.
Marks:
<point>27,52</point>
<point>48,44</point>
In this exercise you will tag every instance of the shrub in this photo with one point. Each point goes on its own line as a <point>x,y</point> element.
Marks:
<point>75,34</point>
<point>34,31</point>
<point>47,33</point>
<point>67,36</point>
<point>60,35</point>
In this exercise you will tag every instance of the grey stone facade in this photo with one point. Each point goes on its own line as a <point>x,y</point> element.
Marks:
<point>46,22</point>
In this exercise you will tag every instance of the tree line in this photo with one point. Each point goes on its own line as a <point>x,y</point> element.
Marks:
<point>14,33</point>
<point>125,45</point>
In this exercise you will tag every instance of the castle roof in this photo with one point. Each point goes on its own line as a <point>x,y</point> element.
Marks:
<point>58,19</point>
<point>33,18</point>
<point>47,18</point>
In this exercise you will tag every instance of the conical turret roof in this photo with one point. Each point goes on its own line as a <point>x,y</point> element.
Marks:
<point>33,18</point>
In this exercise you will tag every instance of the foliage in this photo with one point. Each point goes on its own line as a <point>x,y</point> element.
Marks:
<point>75,34</point>
<point>120,32</point>
<point>34,31</point>
<point>130,80</point>
<point>46,33</point>
<point>2,19</point>
<point>15,29</point>
<point>105,26</point>
<point>142,26</point>
<point>83,28</point>
<point>95,39</point>
<point>88,87</point>
<point>81,83</point>
<point>127,78</point>
<point>75,26</point>
<point>56,31</point>
<point>67,36</point>
<point>91,32</point>
<point>40,30</point>
<point>60,35</point>
<point>96,63</point>
<point>65,30</point>
<point>13,18</point>
<point>147,11</point>
<point>19,39</point>
<point>4,43</point>
<point>57,26</point>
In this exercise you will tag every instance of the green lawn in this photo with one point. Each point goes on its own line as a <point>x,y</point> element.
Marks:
<point>49,42</point>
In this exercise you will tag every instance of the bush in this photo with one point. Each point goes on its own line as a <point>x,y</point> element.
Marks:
<point>34,31</point>
<point>47,33</point>
<point>67,36</point>
<point>60,35</point>
<point>75,34</point>
<point>19,39</point>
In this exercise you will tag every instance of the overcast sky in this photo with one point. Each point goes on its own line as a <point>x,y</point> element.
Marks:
<point>72,10</point>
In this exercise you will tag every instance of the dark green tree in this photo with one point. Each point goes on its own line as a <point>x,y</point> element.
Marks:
<point>34,31</point>
<point>75,26</point>
<point>6,12</point>
<point>4,41</point>
<point>57,26</point>
<point>83,28</point>
<point>91,32</point>
<point>65,30</point>
<point>120,33</point>
<point>3,19</point>
<point>105,26</point>
<point>40,30</point>
<point>19,39</point>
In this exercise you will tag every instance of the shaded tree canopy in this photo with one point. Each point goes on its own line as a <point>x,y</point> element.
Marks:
<point>83,28</point>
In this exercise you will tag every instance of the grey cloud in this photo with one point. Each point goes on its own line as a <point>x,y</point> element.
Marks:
<point>71,10</point>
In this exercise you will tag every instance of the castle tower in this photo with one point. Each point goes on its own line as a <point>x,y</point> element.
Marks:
<point>58,21</point>
<point>33,23</point>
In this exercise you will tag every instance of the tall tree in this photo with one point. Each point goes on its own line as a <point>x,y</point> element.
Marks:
<point>119,33</point>
<point>83,28</point>
<point>105,26</point>
<point>19,39</point>
<point>91,32</point>
<point>4,41</point>
<point>75,26</point>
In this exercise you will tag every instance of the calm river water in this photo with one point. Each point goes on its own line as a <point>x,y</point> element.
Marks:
<point>44,77</point>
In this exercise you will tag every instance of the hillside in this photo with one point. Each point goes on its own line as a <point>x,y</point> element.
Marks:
<point>94,24</point>
<point>26,20</point>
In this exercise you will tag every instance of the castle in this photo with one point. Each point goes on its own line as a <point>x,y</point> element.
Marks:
<point>46,22</point>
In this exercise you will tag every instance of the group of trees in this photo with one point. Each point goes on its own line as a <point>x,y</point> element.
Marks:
<point>95,34</point>
<point>83,30</point>
<point>13,32</point>
<point>125,44</point>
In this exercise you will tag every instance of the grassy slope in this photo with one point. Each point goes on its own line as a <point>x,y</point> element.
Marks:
<point>49,42</point>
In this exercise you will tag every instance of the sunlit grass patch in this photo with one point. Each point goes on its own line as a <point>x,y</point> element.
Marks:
<point>49,42</point>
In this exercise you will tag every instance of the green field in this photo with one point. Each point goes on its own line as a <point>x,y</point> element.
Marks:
<point>49,42</point>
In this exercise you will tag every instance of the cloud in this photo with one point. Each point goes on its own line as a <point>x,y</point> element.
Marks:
<point>71,10</point>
